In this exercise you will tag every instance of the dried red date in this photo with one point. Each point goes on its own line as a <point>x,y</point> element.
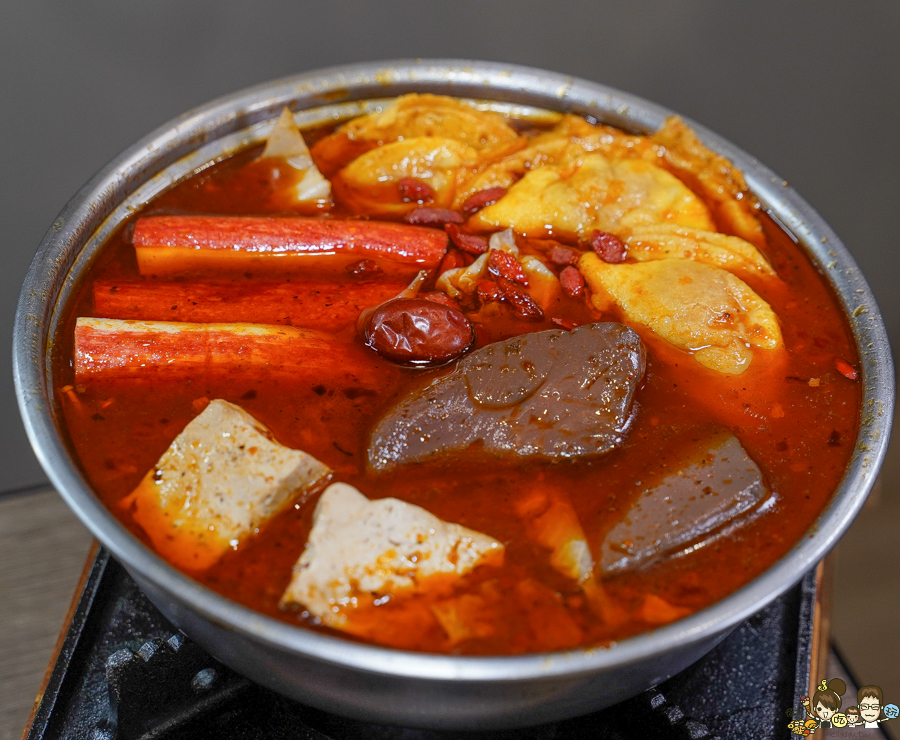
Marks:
<point>419,332</point>
<point>562,256</point>
<point>845,369</point>
<point>365,269</point>
<point>470,243</point>
<point>608,246</point>
<point>523,305</point>
<point>482,199</point>
<point>503,264</point>
<point>433,217</point>
<point>571,281</point>
<point>415,191</point>
<point>489,291</point>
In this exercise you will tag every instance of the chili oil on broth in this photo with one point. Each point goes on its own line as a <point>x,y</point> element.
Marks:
<point>801,436</point>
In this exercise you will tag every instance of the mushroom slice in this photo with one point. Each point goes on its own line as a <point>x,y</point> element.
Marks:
<point>703,309</point>
<point>570,201</point>
<point>360,551</point>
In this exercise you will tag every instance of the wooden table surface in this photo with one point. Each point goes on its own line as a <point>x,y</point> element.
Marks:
<point>43,549</point>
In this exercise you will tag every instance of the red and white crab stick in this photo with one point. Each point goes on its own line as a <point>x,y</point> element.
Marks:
<point>314,303</point>
<point>198,245</point>
<point>115,349</point>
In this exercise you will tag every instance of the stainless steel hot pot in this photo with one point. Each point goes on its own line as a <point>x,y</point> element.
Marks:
<point>375,683</point>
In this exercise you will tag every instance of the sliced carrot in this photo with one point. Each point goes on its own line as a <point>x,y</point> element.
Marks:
<point>111,349</point>
<point>320,304</point>
<point>192,245</point>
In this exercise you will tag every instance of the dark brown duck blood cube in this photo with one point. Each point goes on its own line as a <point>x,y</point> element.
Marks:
<point>715,488</point>
<point>552,394</point>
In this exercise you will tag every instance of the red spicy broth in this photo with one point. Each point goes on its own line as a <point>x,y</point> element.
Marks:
<point>797,417</point>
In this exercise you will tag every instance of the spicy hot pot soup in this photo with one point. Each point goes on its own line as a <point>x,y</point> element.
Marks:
<point>446,379</point>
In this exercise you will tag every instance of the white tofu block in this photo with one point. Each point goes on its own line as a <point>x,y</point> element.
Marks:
<point>359,547</point>
<point>220,479</point>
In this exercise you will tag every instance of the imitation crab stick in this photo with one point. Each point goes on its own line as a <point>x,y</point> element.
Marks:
<point>177,245</point>
<point>320,304</point>
<point>111,349</point>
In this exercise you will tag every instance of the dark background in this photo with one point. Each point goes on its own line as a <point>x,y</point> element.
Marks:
<point>812,88</point>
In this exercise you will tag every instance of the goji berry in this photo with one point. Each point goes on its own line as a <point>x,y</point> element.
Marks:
<point>522,304</point>
<point>571,281</point>
<point>481,199</point>
<point>503,264</point>
<point>608,247</point>
<point>452,259</point>
<point>471,243</point>
<point>489,291</point>
<point>417,191</point>
<point>562,256</point>
<point>433,217</point>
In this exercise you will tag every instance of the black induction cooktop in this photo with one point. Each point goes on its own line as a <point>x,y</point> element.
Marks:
<point>124,671</point>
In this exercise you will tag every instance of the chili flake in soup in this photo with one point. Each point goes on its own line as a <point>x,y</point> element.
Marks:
<point>450,382</point>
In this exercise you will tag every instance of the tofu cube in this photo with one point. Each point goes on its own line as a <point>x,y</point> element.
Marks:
<point>220,479</point>
<point>361,550</point>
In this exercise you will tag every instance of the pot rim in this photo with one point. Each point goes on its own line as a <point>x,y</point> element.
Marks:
<point>49,281</point>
